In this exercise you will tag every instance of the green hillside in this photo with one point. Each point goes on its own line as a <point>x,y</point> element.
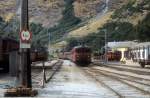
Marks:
<point>130,22</point>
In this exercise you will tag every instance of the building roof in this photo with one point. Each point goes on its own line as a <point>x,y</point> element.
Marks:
<point>125,44</point>
<point>142,44</point>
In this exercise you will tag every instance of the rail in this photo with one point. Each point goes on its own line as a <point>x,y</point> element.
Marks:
<point>55,67</point>
<point>103,84</point>
<point>105,78</point>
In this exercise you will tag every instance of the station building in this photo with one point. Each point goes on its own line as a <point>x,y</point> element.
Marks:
<point>124,47</point>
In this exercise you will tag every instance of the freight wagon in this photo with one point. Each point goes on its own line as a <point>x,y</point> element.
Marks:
<point>8,45</point>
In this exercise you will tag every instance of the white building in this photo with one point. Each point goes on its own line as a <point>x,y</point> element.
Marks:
<point>123,46</point>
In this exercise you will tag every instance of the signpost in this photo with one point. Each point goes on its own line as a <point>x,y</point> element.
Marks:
<point>25,86</point>
<point>25,36</point>
<point>25,39</point>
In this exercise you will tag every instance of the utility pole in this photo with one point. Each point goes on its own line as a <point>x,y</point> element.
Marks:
<point>25,87</point>
<point>105,46</point>
<point>49,39</point>
<point>26,63</point>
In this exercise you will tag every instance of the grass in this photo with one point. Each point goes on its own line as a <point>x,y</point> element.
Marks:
<point>91,27</point>
<point>137,17</point>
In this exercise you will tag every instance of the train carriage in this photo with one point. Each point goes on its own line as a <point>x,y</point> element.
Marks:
<point>6,46</point>
<point>141,54</point>
<point>113,55</point>
<point>81,55</point>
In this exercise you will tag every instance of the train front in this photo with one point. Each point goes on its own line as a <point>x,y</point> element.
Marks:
<point>81,55</point>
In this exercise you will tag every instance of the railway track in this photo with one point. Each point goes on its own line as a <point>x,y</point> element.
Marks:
<point>137,71</point>
<point>123,80</point>
<point>128,68</point>
<point>103,84</point>
<point>55,68</point>
<point>125,73</point>
<point>44,74</point>
<point>120,84</point>
<point>128,77</point>
<point>138,67</point>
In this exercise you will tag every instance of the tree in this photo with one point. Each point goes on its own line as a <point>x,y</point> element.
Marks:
<point>143,29</point>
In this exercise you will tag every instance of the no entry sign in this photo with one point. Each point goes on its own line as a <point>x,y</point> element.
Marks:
<point>25,39</point>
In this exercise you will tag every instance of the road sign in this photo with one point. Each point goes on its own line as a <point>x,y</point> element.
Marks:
<point>25,39</point>
<point>25,36</point>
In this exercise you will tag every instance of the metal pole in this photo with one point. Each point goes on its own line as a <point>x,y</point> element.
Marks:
<point>49,41</point>
<point>44,75</point>
<point>24,61</point>
<point>25,53</point>
<point>105,46</point>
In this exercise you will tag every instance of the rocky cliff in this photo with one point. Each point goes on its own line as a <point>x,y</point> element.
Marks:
<point>46,12</point>
<point>49,12</point>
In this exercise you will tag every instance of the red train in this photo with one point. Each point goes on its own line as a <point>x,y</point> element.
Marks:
<point>81,55</point>
<point>114,56</point>
<point>111,56</point>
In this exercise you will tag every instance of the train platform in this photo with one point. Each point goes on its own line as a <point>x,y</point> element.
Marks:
<point>72,82</point>
<point>8,81</point>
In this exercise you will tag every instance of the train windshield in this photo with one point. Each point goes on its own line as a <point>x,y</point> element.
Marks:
<point>83,50</point>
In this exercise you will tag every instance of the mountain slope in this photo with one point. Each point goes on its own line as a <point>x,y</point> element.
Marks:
<point>91,26</point>
<point>132,11</point>
<point>7,9</point>
<point>129,22</point>
<point>49,12</point>
<point>45,12</point>
<point>78,18</point>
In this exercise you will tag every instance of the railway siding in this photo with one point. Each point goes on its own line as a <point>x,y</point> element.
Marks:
<point>125,82</point>
<point>123,72</point>
<point>124,89</point>
<point>41,76</point>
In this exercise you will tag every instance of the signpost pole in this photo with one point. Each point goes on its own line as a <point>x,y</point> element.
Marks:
<point>25,88</point>
<point>26,65</point>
